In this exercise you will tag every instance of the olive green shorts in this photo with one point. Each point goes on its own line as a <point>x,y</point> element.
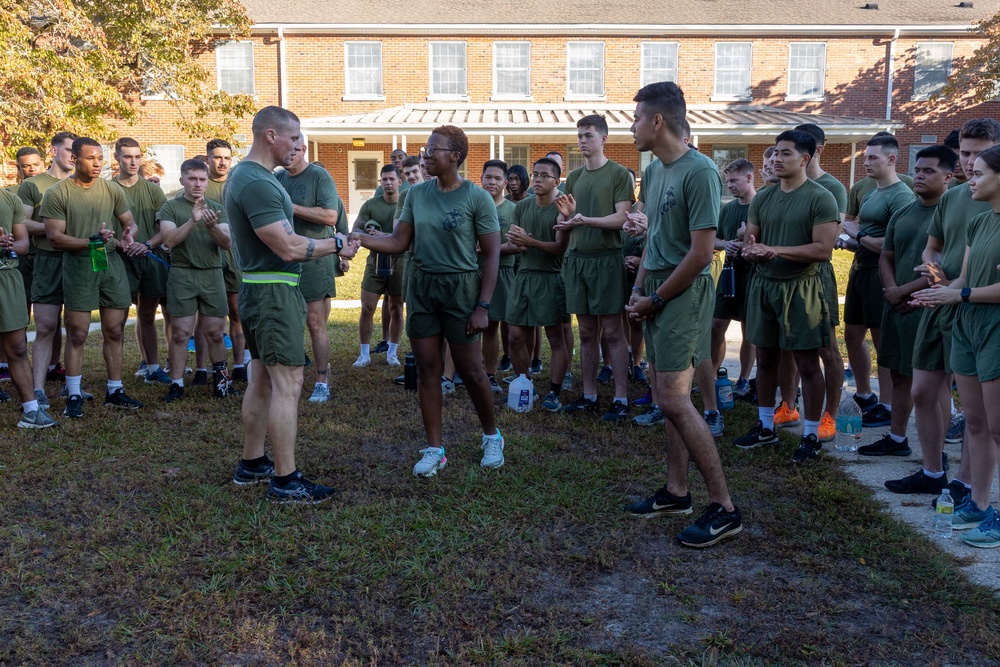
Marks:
<point>896,339</point>
<point>595,283</point>
<point>146,276</point>
<point>680,335</point>
<point>829,279</point>
<point>86,290</point>
<point>274,321</point>
<point>13,309</point>
<point>26,267</point>
<point>440,304</point>
<point>191,291</point>
<point>47,279</point>
<point>975,344</point>
<point>788,314</point>
<point>501,294</point>
<point>317,280</point>
<point>231,272</point>
<point>407,272</point>
<point>389,285</point>
<point>864,301</point>
<point>932,347</point>
<point>536,299</point>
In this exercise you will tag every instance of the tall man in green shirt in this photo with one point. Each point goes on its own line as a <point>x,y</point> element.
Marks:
<point>260,219</point>
<point>674,296</point>
<point>863,303</point>
<point>76,210</point>
<point>598,197</point>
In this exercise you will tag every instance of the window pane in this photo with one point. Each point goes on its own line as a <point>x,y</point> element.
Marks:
<point>932,68</point>
<point>517,155</point>
<point>512,68</point>
<point>722,155</point>
<point>574,159</point>
<point>170,156</point>
<point>586,68</point>
<point>659,62</point>
<point>448,68</point>
<point>806,69</point>
<point>364,68</point>
<point>732,69</point>
<point>235,62</point>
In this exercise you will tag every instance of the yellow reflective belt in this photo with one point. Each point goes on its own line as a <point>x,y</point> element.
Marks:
<point>271,277</point>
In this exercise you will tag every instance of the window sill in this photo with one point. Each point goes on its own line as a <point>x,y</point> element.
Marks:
<point>447,98</point>
<point>584,98</point>
<point>805,98</point>
<point>731,98</point>
<point>924,98</point>
<point>511,98</point>
<point>363,98</point>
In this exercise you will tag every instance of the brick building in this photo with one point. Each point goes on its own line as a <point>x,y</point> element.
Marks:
<point>367,77</point>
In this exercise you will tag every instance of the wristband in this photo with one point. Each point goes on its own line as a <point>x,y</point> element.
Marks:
<point>966,293</point>
<point>485,305</point>
<point>658,301</point>
<point>637,289</point>
<point>340,244</point>
<point>860,236</point>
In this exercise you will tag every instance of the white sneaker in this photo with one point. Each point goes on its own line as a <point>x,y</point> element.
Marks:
<point>432,461</point>
<point>141,371</point>
<point>321,394</point>
<point>392,360</point>
<point>492,451</point>
<point>362,362</point>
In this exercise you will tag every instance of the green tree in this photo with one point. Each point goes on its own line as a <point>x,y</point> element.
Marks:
<point>81,65</point>
<point>980,72</point>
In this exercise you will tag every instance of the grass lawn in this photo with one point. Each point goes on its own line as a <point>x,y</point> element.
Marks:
<point>125,543</point>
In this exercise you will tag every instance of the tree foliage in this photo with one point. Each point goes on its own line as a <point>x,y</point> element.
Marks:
<point>978,74</point>
<point>81,65</point>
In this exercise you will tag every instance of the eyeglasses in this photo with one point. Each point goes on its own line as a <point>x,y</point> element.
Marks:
<point>540,177</point>
<point>429,149</point>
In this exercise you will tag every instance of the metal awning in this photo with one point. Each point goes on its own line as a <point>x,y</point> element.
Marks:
<point>556,123</point>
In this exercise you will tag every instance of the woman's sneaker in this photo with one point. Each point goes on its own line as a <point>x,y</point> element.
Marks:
<point>968,515</point>
<point>492,447</point>
<point>987,534</point>
<point>433,460</point>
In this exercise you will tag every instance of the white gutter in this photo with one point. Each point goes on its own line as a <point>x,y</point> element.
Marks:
<point>891,67</point>
<point>283,94</point>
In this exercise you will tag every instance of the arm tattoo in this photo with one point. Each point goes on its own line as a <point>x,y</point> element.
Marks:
<point>287,227</point>
<point>310,247</point>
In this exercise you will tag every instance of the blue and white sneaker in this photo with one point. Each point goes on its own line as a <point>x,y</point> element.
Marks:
<point>987,534</point>
<point>968,515</point>
<point>492,447</point>
<point>433,460</point>
<point>158,376</point>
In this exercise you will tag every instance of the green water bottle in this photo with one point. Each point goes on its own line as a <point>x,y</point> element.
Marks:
<point>98,254</point>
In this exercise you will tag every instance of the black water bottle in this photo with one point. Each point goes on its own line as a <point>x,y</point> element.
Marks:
<point>409,372</point>
<point>728,280</point>
<point>383,265</point>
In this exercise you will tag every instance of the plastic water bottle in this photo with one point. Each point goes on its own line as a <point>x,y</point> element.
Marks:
<point>943,512</point>
<point>521,395</point>
<point>98,253</point>
<point>848,426</point>
<point>724,390</point>
<point>409,372</point>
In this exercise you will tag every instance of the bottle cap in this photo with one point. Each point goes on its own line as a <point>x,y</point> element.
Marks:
<point>723,372</point>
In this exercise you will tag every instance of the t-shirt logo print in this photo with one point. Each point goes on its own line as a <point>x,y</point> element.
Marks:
<point>453,219</point>
<point>668,201</point>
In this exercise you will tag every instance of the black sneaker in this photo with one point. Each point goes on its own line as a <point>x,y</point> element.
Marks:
<point>119,399</point>
<point>959,492</point>
<point>876,417</point>
<point>74,407</point>
<point>239,374</point>
<point>606,375</point>
<point>57,374</point>
<point>639,375</point>
<point>809,449</point>
<point>505,364</point>
<point>662,502</point>
<point>581,404</point>
<point>886,446</point>
<point>381,348</point>
<point>221,384</point>
<point>175,393</point>
<point>866,404</point>
<point>299,490</point>
<point>617,412</point>
<point>918,482</point>
<point>536,366</point>
<point>4,396</point>
<point>200,379</point>
<point>400,380</point>
<point>715,525</point>
<point>758,436</point>
<point>262,472</point>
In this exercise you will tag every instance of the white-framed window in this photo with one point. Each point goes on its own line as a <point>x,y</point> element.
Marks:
<point>659,62</point>
<point>806,70</point>
<point>585,69</point>
<point>517,154</point>
<point>931,68</point>
<point>574,159</point>
<point>448,70</point>
<point>170,156</point>
<point>234,62</point>
<point>363,70</point>
<point>732,70</point>
<point>912,157</point>
<point>723,154</point>
<point>511,70</point>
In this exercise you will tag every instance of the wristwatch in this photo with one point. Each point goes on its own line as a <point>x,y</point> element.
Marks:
<point>658,301</point>
<point>966,293</point>
<point>860,236</point>
<point>485,305</point>
<point>340,244</point>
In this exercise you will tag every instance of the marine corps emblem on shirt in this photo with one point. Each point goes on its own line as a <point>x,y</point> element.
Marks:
<point>668,201</point>
<point>453,220</point>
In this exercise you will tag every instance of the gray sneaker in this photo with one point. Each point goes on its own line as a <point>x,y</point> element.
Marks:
<point>141,371</point>
<point>494,385</point>
<point>715,423</point>
<point>36,419</point>
<point>157,377</point>
<point>321,394</point>
<point>492,451</point>
<point>447,386</point>
<point>85,395</point>
<point>651,417</point>
<point>43,400</point>
<point>567,383</point>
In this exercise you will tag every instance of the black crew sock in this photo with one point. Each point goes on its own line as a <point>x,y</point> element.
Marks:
<point>254,463</point>
<point>555,387</point>
<point>283,480</point>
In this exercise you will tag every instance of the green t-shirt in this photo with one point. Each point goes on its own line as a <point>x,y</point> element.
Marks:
<point>505,213</point>
<point>378,212</point>
<point>342,226</point>
<point>145,199</point>
<point>215,190</point>
<point>84,209</point>
<point>255,199</point>
<point>538,222</point>
<point>596,193</point>
<point>787,219</point>
<point>732,215</point>
<point>858,191</point>
<point>836,188</point>
<point>11,214</point>
<point>198,250</point>
<point>312,188</point>
<point>983,239</point>
<point>906,238</point>
<point>404,185</point>
<point>680,197</point>
<point>446,225</point>
<point>951,221</point>
<point>876,209</point>
<point>31,192</point>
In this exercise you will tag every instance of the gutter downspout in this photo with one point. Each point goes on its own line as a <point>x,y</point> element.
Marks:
<point>891,70</point>
<point>283,95</point>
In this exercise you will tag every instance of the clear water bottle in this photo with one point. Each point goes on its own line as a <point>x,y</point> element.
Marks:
<point>724,390</point>
<point>848,426</point>
<point>98,253</point>
<point>943,512</point>
<point>521,395</point>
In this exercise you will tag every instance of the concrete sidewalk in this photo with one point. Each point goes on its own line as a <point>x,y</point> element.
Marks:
<point>982,566</point>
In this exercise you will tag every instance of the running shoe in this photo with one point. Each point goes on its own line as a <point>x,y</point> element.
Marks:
<point>362,361</point>
<point>758,436</point>
<point>567,383</point>
<point>433,459</point>
<point>713,526</point>
<point>987,534</point>
<point>877,417</point>
<point>492,447</point>
<point>505,364</point>
<point>581,404</point>
<point>918,482</point>
<point>536,366</point>
<point>639,375</point>
<point>299,491</point>
<point>886,446</point>
<point>786,417</point>
<point>74,407</point>
<point>261,472</point>
<point>968,515</point>
<point>552,402</point>
<point>645,399</point>
<point>157,377</point>
<point>119,399</point>
<point>827,428</point>
<point>809,449</point>
<point>494,385</point>
<point>661,503</point>
<point>653,416</point>
<point>716,424</point>
<point>36,419</point>
<point>174,394</point>
<point>321,394</point>
<point>606,375</point>
<point>381,348</point>
<point>866,404</point>
<point>43,400</point>
<point>141,371</point>
<point>956,429</point>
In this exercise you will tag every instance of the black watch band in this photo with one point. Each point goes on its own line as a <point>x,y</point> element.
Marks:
<point>340,244</point>
<point>658,301</point>
<point>966,293</point>
<point>485,305</point>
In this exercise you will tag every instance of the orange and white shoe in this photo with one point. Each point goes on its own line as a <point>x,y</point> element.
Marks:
<point>785,417</point>
<point>827,428</point>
